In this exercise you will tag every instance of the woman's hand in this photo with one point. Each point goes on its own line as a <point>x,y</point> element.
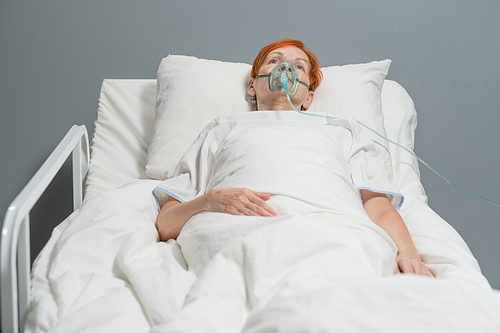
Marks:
<point>239,201</point>
<point>411,264</point>
<point>383,214</point>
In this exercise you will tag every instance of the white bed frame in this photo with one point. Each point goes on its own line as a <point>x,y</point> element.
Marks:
<point>15,261</point>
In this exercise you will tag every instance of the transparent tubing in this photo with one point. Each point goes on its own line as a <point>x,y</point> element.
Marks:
<point>284,82</point>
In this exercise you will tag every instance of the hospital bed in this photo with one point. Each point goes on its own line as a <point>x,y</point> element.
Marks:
<point>91,267</point>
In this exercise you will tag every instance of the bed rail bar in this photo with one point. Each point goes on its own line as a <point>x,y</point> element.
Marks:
<point>15,240</point>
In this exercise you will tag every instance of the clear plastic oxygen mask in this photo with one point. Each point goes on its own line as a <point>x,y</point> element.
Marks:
<point>283,72</point>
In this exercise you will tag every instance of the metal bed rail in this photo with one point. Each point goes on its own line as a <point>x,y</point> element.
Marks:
<point>15,262</point>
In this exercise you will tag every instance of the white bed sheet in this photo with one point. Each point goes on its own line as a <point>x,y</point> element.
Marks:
<point>122,133</point>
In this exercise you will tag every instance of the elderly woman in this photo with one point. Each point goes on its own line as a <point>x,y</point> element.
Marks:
<point>237,200</point>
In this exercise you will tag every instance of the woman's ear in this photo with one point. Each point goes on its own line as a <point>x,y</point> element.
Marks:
<point>250,89</point>
<point>308,101</point>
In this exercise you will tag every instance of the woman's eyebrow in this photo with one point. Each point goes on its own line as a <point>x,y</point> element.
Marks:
<point>275,52</point>
<point>281,54</point>
<point>302,59</point>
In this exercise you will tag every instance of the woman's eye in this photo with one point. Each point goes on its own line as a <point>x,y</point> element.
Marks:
<point>273,61</point>
<point>299,67</point>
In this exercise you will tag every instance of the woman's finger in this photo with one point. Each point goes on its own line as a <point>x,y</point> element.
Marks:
<point>409,266</point>
<point>265,211</point>
<point>248,212</point>
<point>414,267</point>
<point>424,270</point>
<point>262,207</point>
<point>427,271</point>
<point>263,196</point>
<point>256,210</point>
<point>240,201</point>
<point>405,268</point>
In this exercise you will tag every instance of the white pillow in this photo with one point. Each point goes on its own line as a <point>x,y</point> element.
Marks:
<point>354,91</point>
<point>191,92</point>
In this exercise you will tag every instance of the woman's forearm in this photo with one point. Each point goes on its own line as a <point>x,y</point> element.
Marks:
<point>174,215</point>
<point>393,224</point>
<point>236,201</point>
<point>383,214</point>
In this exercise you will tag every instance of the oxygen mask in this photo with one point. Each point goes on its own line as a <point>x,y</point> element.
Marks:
<point>283,79</point>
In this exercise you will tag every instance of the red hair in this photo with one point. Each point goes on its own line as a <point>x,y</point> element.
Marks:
<point>315,75</point>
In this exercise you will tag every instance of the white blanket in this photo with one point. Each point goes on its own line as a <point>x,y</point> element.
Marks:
<point>313,268</point>
<point>104,271</point>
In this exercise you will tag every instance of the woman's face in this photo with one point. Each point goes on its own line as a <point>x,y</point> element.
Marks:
<point>267,101</point>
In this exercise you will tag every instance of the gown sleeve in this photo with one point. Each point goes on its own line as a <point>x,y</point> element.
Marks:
<point>369,164</point>
<point>192,172</point>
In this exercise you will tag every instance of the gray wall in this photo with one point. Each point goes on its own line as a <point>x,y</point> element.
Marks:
<point>54,55</point>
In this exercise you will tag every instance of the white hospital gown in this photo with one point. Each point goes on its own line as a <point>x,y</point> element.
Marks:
<point>322,162</point>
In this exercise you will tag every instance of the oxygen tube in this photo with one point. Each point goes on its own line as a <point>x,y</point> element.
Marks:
<point>284,82</point>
